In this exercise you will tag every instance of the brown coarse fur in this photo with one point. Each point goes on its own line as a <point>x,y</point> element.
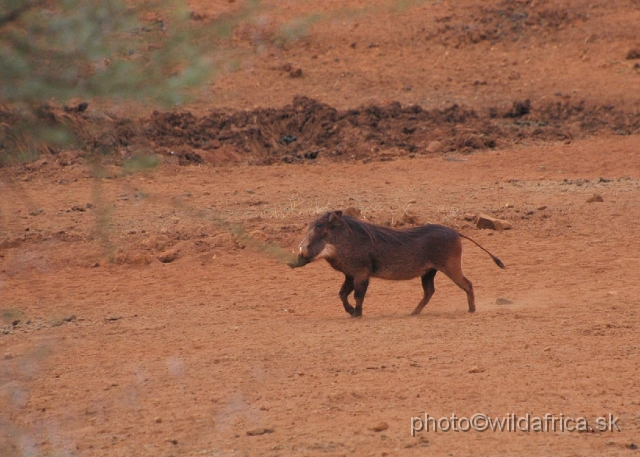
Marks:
<point>362,250</point>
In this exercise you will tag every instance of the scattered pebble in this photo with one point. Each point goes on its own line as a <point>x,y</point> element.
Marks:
<point>259,431</point>
<point>475,369</point>
<point>288,139</point>
<point>633,54</point>
<point>487,222</point>
<point>140,259</point>
<point>381,427</point>
<point>352,211</point>
<point>169,256</point>
<point>434,146</point>
<point>119,258</point>
<point>595,198</point>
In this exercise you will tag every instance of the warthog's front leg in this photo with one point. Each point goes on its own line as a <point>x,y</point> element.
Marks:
<point>360,289</point>
<point>345,290</point>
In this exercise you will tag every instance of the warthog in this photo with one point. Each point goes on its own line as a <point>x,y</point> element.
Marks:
<point>361,250</point>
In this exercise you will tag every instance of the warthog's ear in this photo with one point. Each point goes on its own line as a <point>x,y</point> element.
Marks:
<point>335,218</point>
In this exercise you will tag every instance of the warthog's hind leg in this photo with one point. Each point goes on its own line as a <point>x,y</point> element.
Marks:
<point>345,290</point>
<point>466,285</point>
<point>429,289</point>
<point>462,282</point>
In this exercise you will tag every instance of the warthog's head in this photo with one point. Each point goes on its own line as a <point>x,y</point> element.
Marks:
<point>317,243</point>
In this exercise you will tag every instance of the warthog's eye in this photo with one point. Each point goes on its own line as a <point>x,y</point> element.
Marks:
<point>319,225</point>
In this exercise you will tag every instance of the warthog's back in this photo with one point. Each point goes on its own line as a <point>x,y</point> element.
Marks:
<point>402,254</point>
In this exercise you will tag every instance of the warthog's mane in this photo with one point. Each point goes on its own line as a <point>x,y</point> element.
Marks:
<point>377,233</point>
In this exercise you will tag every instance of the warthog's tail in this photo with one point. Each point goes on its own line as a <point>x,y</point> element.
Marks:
<point>495,259</point>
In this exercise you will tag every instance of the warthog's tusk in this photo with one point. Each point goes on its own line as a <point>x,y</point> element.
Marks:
<point>300,249</point>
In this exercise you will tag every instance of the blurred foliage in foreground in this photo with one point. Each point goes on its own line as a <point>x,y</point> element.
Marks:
<point>58,52</point>
<point>87,49</point>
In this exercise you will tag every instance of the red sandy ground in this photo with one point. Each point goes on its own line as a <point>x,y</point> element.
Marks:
<point>116,353</point>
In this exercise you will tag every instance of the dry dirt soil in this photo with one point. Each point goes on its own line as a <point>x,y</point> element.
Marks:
<point>149,311</point>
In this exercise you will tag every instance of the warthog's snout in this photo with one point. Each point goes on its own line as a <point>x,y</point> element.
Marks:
<point>302,258</point>
<point>300,261</point>
<point>303,247</point>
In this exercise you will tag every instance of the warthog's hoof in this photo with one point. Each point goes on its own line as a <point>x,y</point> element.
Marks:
<point>353,312</point>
